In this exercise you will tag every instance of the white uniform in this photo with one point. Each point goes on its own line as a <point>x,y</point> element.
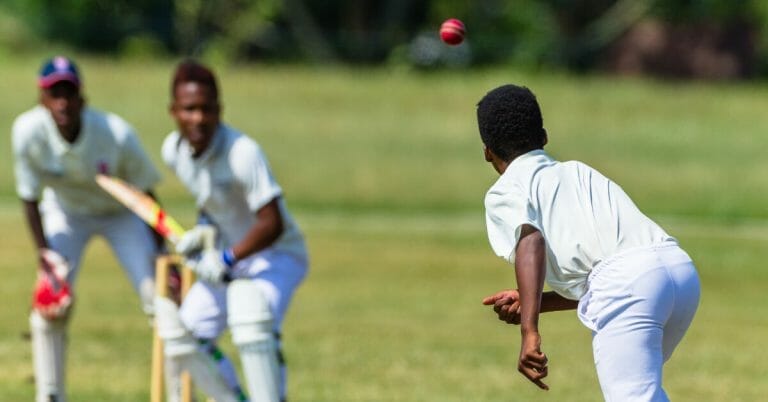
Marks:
<point>637,290</point>
<point>231,181</point>
<point>73,207</point>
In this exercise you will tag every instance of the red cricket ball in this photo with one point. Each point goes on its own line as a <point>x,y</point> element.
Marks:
<point>452,31</point>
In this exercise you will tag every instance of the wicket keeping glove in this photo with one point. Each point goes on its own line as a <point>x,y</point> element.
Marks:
<point>52,296</point>
<point>213,265</point>
<point>196,239</point>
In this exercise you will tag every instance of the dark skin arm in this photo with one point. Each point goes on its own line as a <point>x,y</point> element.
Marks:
<point>268,227</point>
<point>524,305</point>
<point>506,304</point>
<point>35,223</point>
<point>530,265</point>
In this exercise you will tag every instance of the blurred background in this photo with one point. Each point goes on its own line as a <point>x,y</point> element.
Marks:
<point>368,121</point>
<point>711,39</point>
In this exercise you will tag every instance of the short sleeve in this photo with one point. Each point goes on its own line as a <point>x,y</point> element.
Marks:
<point>169,149</point>
<point>252,168</point>
<point>506,211</point>
<point>28,183</point>
<point>138,169</point>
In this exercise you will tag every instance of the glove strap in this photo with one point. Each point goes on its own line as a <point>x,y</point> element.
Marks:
<point>228,256</point>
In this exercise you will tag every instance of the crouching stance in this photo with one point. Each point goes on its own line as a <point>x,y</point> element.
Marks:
<point>246,280</point>
<point>58,148</point>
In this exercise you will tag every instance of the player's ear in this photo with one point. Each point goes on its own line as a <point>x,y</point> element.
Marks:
<point>488,154</point>
<point>545,139</point>
<point>43,96</point>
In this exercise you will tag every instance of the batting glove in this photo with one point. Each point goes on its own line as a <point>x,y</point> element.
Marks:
<point>213,265</point>
<point>52,296</point>
<point>196,239</point>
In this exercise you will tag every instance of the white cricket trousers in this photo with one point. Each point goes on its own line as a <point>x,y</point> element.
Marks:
<point>639,304</point>
<point>130,239</point>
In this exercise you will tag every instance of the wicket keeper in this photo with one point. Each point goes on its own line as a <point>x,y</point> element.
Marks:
<point>58,147</point>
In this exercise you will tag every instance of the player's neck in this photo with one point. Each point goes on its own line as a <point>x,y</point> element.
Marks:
<point>70,134</point>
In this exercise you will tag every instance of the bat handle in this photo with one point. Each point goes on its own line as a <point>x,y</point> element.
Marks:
<point>173,238</point>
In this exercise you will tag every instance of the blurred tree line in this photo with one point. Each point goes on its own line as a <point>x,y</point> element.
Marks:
<point>685,38</point>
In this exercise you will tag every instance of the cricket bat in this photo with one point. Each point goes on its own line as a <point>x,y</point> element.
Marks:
<point>142,205</point>
<point>150,212</point>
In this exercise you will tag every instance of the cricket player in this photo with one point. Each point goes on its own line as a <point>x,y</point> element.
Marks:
<point>566,224</point>
<point>247,281</point>
<point>59,146</point>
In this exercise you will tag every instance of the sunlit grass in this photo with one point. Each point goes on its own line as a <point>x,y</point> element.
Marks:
<point>384,172</point>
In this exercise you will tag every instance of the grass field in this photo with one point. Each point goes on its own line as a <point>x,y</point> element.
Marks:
<point>384,172</point>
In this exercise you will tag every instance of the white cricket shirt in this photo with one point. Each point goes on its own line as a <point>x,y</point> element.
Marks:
<point>231,181</point>
<point>583,216</point>
<point>106,144</point>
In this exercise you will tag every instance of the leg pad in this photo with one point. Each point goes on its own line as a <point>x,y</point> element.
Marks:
<point>250,320</point>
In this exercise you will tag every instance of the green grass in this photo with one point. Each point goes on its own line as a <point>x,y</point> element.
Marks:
<point>384,173</point>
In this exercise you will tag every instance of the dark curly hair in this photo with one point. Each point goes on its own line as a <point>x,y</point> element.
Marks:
<point>510,123</point>
<point>192,71</point>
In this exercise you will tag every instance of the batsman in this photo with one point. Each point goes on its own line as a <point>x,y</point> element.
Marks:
<point>59,146</point>
<point>248,279</point>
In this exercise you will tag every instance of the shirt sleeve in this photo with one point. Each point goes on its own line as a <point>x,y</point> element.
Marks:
<point>505,214</point>
<point>138,169</point>
<point>28,183</point>
<point>251,166</point>
<point>169,149</point>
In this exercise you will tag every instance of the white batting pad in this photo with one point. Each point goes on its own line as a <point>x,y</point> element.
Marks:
<point>181,348</point>
<point>177,339</point>
<point>172,375</point>
<point>206,375</point>
<point>147,294</point>
<point>48,343</point>
<point>250,320</point>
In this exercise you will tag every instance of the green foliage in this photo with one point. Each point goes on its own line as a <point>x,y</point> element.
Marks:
<point>706,10</point>
<point>528,33</point>
<point>95,24</point>
<point>15,35</point>
<point>224,28</point>
<point>519,31</point>
<point>142,47</point>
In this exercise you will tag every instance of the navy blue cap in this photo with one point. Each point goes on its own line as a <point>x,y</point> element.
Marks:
<point>58,69</point>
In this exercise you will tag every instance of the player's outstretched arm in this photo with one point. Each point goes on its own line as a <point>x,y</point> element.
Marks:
<point>552,301</point>
<point>506,304</point>
<point>530,268</point>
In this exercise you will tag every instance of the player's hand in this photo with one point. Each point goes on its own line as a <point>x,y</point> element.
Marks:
<point>196,239</point>
<point>52,296</point>
<point>533,364</point>
<point>210,267</point>
<point>506,304</point>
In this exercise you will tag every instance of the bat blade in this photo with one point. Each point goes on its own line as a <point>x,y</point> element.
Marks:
<point>142,205</point>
